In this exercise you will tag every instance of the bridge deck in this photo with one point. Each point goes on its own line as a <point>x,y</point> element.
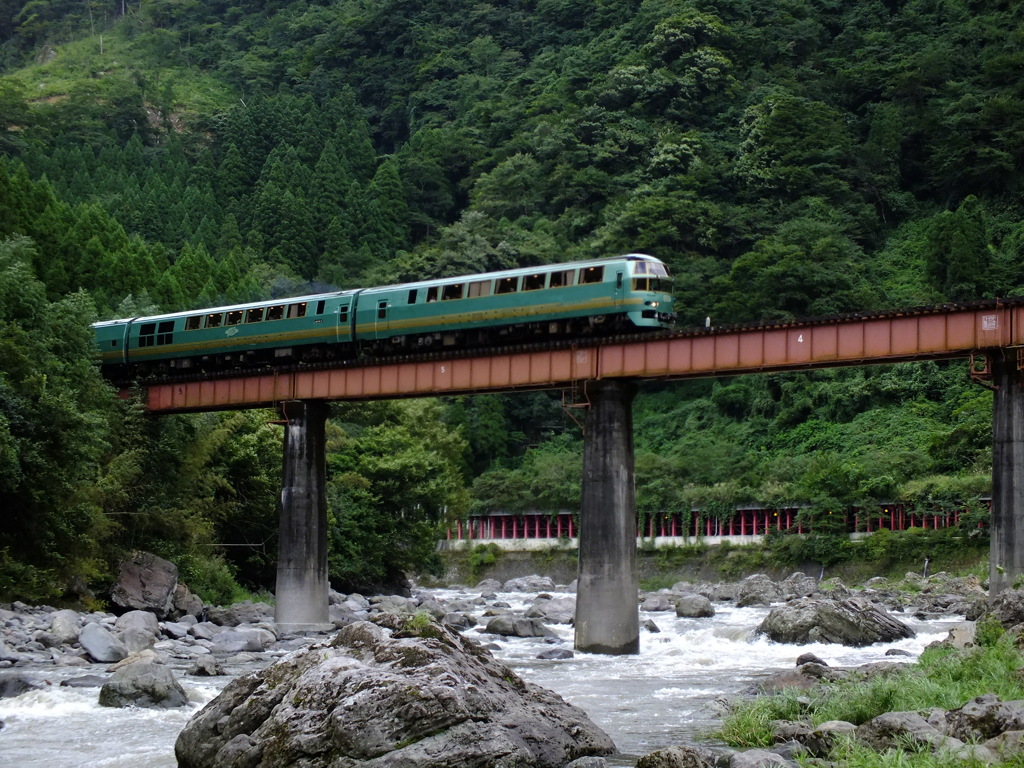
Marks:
<point>947,331</point>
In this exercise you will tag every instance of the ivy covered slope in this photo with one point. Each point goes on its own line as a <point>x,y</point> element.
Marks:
<point>786,159</point>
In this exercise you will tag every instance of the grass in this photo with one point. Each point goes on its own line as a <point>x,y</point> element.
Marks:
<point>942,678</point>
<point>106,63</point>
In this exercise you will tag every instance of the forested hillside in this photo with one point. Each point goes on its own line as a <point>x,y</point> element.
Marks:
<point>786,158</point>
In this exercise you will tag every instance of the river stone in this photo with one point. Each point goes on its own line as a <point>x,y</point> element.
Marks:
<point>384,696</point>
<point>558,610</point>
<point>101,644</point>
<point>694,607</point>
<point>985,717</point>
<point>65,625</point>
<point>242,639</point>
<point>13,684</point>
<point>854,622</point>
<point>512,626</point>
<point>529,584</point>
<point>655,603</point>
<point>675,757</point>
<point>760,758</point>
<point>206,665</point>
<point>143,684</point>
<point>246,612</point>
<point>146,582</point>
<point>185,603</point>
<point>142,621</point>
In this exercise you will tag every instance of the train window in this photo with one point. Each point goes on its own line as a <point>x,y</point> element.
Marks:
<point>533,282</point>
<point>275,313</point>
<point>382,310</point>
<point>453,291</point>
<point>214,320</point>
<point>164,334</point>
<point>297,310</point>
<point>193,323</point>
<point>412,296</point>
<point>479,288</point>
<point>146,334</point>
<point>431,294</point>
<point>562,278</point>
<point>639,267</point>
<point>254,315</point>
<point>507,285</point>
<point>591,275</point>
<point>234,318</point>
<point>320,307</point>
<point>343,314</point>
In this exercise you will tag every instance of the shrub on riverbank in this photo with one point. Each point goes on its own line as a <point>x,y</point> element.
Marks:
<point>943,677</point>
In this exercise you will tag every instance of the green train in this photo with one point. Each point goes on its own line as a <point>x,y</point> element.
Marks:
<point>601,296</point>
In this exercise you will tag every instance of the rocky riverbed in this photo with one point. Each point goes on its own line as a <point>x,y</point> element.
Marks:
<point>138,660</point>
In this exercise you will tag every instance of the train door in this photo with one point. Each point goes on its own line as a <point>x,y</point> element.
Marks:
<point>380,324</point>
<point>620,286</point>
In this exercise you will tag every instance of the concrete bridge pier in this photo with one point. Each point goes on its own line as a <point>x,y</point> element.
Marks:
<point>607,612</point>
<point>1006,547</point>
<point>302,585</point>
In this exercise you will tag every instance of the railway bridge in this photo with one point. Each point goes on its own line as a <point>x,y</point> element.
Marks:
<point>603,376</point>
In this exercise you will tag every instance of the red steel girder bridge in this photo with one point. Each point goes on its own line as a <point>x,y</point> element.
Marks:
<point>938,332</point>
<point>990,333</point>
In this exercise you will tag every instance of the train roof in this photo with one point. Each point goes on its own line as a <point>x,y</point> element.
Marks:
<point>228,308</point>
<point>516,271</point>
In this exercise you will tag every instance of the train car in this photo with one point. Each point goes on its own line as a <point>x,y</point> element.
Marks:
<point>558,300</point>
<point>222,338</point>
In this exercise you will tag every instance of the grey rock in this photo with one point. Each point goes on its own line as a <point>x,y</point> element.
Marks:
<point>143,621</point>
<point>242,639</point>
<point>246,612</point>
<point>821,740</point>
<point>1007,745</point>
<point>146,582</point>
<point>809,658</point>
<point>458,621</point>
<point>588,762</point>
<point>136,640</point>
<point>488,585</point>
<point>529,584</point>
<point>657,603</point>
<point>174,629</point>
<point>101,644</point>
<point>760,758</point>
<point>648,625</point>
<point>65,626</point>
<point>853,622</point>
<point>85,681</point>
<point>185,603</point>
<point>378,696</point>
<point>985,717</point>
<point>694,607</point>
<point>556,653</point>
<point>206,665</point>
<point>511,626</point>
<point>675,757</point>
<point>13,684</point>
<point>143,684</point>
<point>558,610</point>
<point>756,589</point>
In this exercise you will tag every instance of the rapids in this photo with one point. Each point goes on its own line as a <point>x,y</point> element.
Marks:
<point>660,697</point>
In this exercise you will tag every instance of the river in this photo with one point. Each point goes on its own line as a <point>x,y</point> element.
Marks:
<point>652,700</point>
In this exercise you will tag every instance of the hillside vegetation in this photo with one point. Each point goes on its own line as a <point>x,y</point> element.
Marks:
<point>786,158</point>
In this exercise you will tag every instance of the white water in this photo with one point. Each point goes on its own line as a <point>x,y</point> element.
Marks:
<point>645,702</point>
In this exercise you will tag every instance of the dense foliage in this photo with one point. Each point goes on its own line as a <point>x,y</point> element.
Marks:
<point>785,158</point>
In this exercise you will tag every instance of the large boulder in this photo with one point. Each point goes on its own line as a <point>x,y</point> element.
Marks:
<point>854,622</point>
<point>143,684</point>
<point>529,584</point>
<point>101,644</point>
<point>514,626</point>
<point>386,696</point>
<point>757,589</point>
<point>694,607</point>
<point>64,626</point>
<point>147,583</point>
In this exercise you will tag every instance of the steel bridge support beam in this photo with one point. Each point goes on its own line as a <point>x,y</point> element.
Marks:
<point>1006,548</point>
<point>607,611</point>
<point>302,585</point>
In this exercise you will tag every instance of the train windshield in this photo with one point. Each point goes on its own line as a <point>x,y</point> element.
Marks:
<point>652,268</point>
<point>659,285</point>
